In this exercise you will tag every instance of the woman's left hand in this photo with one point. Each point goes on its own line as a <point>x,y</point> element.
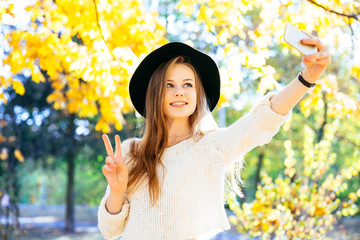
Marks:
<point>315,64</point>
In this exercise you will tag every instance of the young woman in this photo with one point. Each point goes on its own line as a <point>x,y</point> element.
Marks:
<point>169,183</point>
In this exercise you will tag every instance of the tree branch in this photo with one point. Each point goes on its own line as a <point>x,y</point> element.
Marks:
<point>332,11</point>
<point>102,36</point>
<point>100,30</point>
<point>98,23</point>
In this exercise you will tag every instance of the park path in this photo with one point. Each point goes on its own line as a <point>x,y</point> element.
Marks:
<point>46,222</point>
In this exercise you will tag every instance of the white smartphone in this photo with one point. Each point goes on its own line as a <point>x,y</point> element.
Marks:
<point>293,37</point>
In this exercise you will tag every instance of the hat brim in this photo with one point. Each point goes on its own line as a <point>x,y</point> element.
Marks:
<point>204,64</point>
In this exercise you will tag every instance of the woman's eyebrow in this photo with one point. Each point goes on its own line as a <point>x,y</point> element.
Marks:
<point>187,79</point>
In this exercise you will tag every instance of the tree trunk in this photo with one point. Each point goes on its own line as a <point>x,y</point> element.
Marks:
<point>259,165</point>
<point>320,133</point>
<point>70,184</point>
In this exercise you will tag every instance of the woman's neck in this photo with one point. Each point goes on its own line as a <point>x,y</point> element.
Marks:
<point>177,132</point>
<point>173,141</point>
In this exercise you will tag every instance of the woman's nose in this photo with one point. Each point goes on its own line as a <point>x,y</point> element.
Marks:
<point>179,92</point>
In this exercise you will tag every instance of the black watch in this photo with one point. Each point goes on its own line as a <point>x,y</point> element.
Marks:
<point>306,83</point>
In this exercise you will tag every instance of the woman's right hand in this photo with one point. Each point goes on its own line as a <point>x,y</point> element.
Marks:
<point>114,170</point>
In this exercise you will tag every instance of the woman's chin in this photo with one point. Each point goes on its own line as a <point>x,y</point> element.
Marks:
<point>178,116</point>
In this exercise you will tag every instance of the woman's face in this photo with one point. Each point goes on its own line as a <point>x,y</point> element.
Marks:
<point>180,94</point>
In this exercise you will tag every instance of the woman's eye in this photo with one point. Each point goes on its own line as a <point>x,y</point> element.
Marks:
<point>169,85</point>
<point>188,85</point>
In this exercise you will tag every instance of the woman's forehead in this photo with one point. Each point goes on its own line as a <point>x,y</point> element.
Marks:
<point>181,71</point>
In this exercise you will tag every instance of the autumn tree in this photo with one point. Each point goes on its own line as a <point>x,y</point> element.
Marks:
<point>87,50</point>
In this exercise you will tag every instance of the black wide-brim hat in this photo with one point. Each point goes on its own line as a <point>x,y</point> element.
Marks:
<point>204,65</point>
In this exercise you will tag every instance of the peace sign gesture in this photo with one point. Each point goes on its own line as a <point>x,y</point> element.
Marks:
<point>115,171</point>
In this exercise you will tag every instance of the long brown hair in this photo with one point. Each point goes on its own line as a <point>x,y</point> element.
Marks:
<point>146,154</point>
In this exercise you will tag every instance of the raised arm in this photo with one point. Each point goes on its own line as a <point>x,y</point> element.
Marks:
<point>315,65</point>
<point>112,225</point>
<point>114,207</point>
<point>253,129</point>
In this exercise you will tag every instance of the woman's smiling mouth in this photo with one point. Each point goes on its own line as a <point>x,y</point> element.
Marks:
<point>178,104</point>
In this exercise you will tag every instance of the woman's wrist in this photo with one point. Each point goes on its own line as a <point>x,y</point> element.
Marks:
<point>114,202</point>
<point>304,82</point>
<point>309,77</point>
<point>117,193</point>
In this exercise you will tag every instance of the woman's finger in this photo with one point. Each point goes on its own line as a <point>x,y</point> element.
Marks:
<point>117,146</point>
<point>316,56</point>
<point>108,146</point>
<point>322,61</point>
<point>314,42</point>
<point>107,169</point>
<point>110,162</point>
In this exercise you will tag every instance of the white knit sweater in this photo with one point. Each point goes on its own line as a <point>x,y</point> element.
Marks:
<point>191,201</point>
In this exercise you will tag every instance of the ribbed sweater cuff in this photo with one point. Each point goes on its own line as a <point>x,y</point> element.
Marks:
<point>265,115</point>
<point>112,224</point>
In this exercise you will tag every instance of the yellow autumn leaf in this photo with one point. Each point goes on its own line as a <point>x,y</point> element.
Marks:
<point>73,106</point>
<point>257,207</point>
<point>12,139</point>
<point>118,126</point>
<point>3,154</point>
<point>356,71</point>
<point>102,126</point>
<point>2,97</point>
<point>223,36</point>
<point>265,85</point>
<point>354,172</point>
<point>223,101</point>
<point>10,10</point>
<point>352,196</point>
<point>290,162</point>
<point>18,87</point>
<point>18,155</point>
<point>89,110</point>
<point>265,226</point>
<point>28,8</point>
<point>346,173</point>
<point>320,210</point>
<point>37,76</point>
<point>287,144</point>
<point>288,3</point>
<point>290,172</point>
<point>305,106</point>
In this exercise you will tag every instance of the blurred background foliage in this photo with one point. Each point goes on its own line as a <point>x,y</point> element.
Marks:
<point>64,77</point>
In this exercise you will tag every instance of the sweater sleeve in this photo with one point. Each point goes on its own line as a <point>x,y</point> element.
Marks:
<point>253,129</point>
<point>112,225</point>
